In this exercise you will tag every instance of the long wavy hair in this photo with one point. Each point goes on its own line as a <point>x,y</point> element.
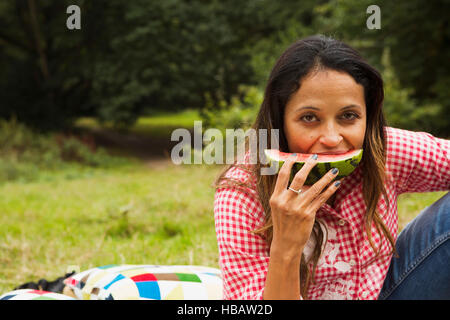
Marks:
<point>301,58</point>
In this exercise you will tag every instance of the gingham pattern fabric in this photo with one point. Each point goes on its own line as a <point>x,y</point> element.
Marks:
<point>347,269</point>
<point>147,282</point>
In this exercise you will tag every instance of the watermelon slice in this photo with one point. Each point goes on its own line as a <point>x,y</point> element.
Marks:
<point>345,162</point>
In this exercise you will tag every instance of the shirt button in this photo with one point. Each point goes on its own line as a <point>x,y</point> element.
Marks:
<point>341,222</point>
<point>352,263</point>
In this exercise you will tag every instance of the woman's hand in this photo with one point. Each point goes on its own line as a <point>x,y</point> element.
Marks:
<point>293,213</point>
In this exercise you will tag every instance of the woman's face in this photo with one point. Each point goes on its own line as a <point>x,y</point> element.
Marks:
<point>327,115</point>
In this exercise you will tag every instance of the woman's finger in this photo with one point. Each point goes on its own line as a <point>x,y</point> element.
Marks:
<point>302,174</point>
<point>324,196</point>
<point>284,175</point>
<point>317,187</point>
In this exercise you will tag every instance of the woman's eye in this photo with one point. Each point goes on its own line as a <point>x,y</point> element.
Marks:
<point>350,116</point>
<point>308,118</point>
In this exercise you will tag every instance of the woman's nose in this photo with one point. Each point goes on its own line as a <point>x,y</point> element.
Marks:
<point>331,137</point>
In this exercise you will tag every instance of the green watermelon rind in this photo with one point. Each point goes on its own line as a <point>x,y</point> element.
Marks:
<point>345,165</point>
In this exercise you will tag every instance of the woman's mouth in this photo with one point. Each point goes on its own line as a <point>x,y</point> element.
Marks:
<point>333,152</point>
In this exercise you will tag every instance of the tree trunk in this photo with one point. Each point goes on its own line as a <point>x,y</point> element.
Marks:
<point>38,39</point>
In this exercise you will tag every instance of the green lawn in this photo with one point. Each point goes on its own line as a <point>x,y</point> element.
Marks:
<point>135,215</point>
<point>158,125</point>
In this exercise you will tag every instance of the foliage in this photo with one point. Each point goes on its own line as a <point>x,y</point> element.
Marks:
<point>24,153</point>
<point>418,35</point>
<point>239,114</point>
<point>132,58</point>
<point>129,58</point>
<point>402,110</point>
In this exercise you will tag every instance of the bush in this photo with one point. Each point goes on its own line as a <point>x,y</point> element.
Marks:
<point>239,114</point>
<point>25,153</point>
<point>404,112</point>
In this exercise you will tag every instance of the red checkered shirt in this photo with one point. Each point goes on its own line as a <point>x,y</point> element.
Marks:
<point>347,269</point>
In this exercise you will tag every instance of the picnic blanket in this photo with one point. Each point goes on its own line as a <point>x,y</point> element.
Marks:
<point>135,282</point>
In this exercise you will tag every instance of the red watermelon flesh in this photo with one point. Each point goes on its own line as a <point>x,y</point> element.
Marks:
<point>345,162</point>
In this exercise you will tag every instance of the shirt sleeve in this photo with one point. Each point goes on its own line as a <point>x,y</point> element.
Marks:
<point>418,161</point>
<point>243,255</point>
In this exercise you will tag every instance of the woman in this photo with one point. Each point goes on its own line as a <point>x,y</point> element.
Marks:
<point>335,239</point>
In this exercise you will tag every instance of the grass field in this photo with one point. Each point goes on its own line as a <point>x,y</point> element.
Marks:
<point>133,213</point>
<point>158,125</point>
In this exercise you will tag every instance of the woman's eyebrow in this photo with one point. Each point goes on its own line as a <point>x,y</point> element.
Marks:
<point>307,107</point>
<point>350,106</point>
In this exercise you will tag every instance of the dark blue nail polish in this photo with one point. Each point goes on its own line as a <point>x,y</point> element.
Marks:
<point>314,156</point>
<point>337,183</point>
<point>334,171</point>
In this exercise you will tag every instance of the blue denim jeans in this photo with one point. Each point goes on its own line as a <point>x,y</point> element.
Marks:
<point>422,270</point>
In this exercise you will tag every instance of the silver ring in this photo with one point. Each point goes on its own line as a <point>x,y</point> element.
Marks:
<point>296,191</point>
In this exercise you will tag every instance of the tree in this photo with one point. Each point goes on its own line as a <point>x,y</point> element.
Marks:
<point>129,57</point>
<point>133,57</point>
<point>42,82</point>
<point>418,35</point>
